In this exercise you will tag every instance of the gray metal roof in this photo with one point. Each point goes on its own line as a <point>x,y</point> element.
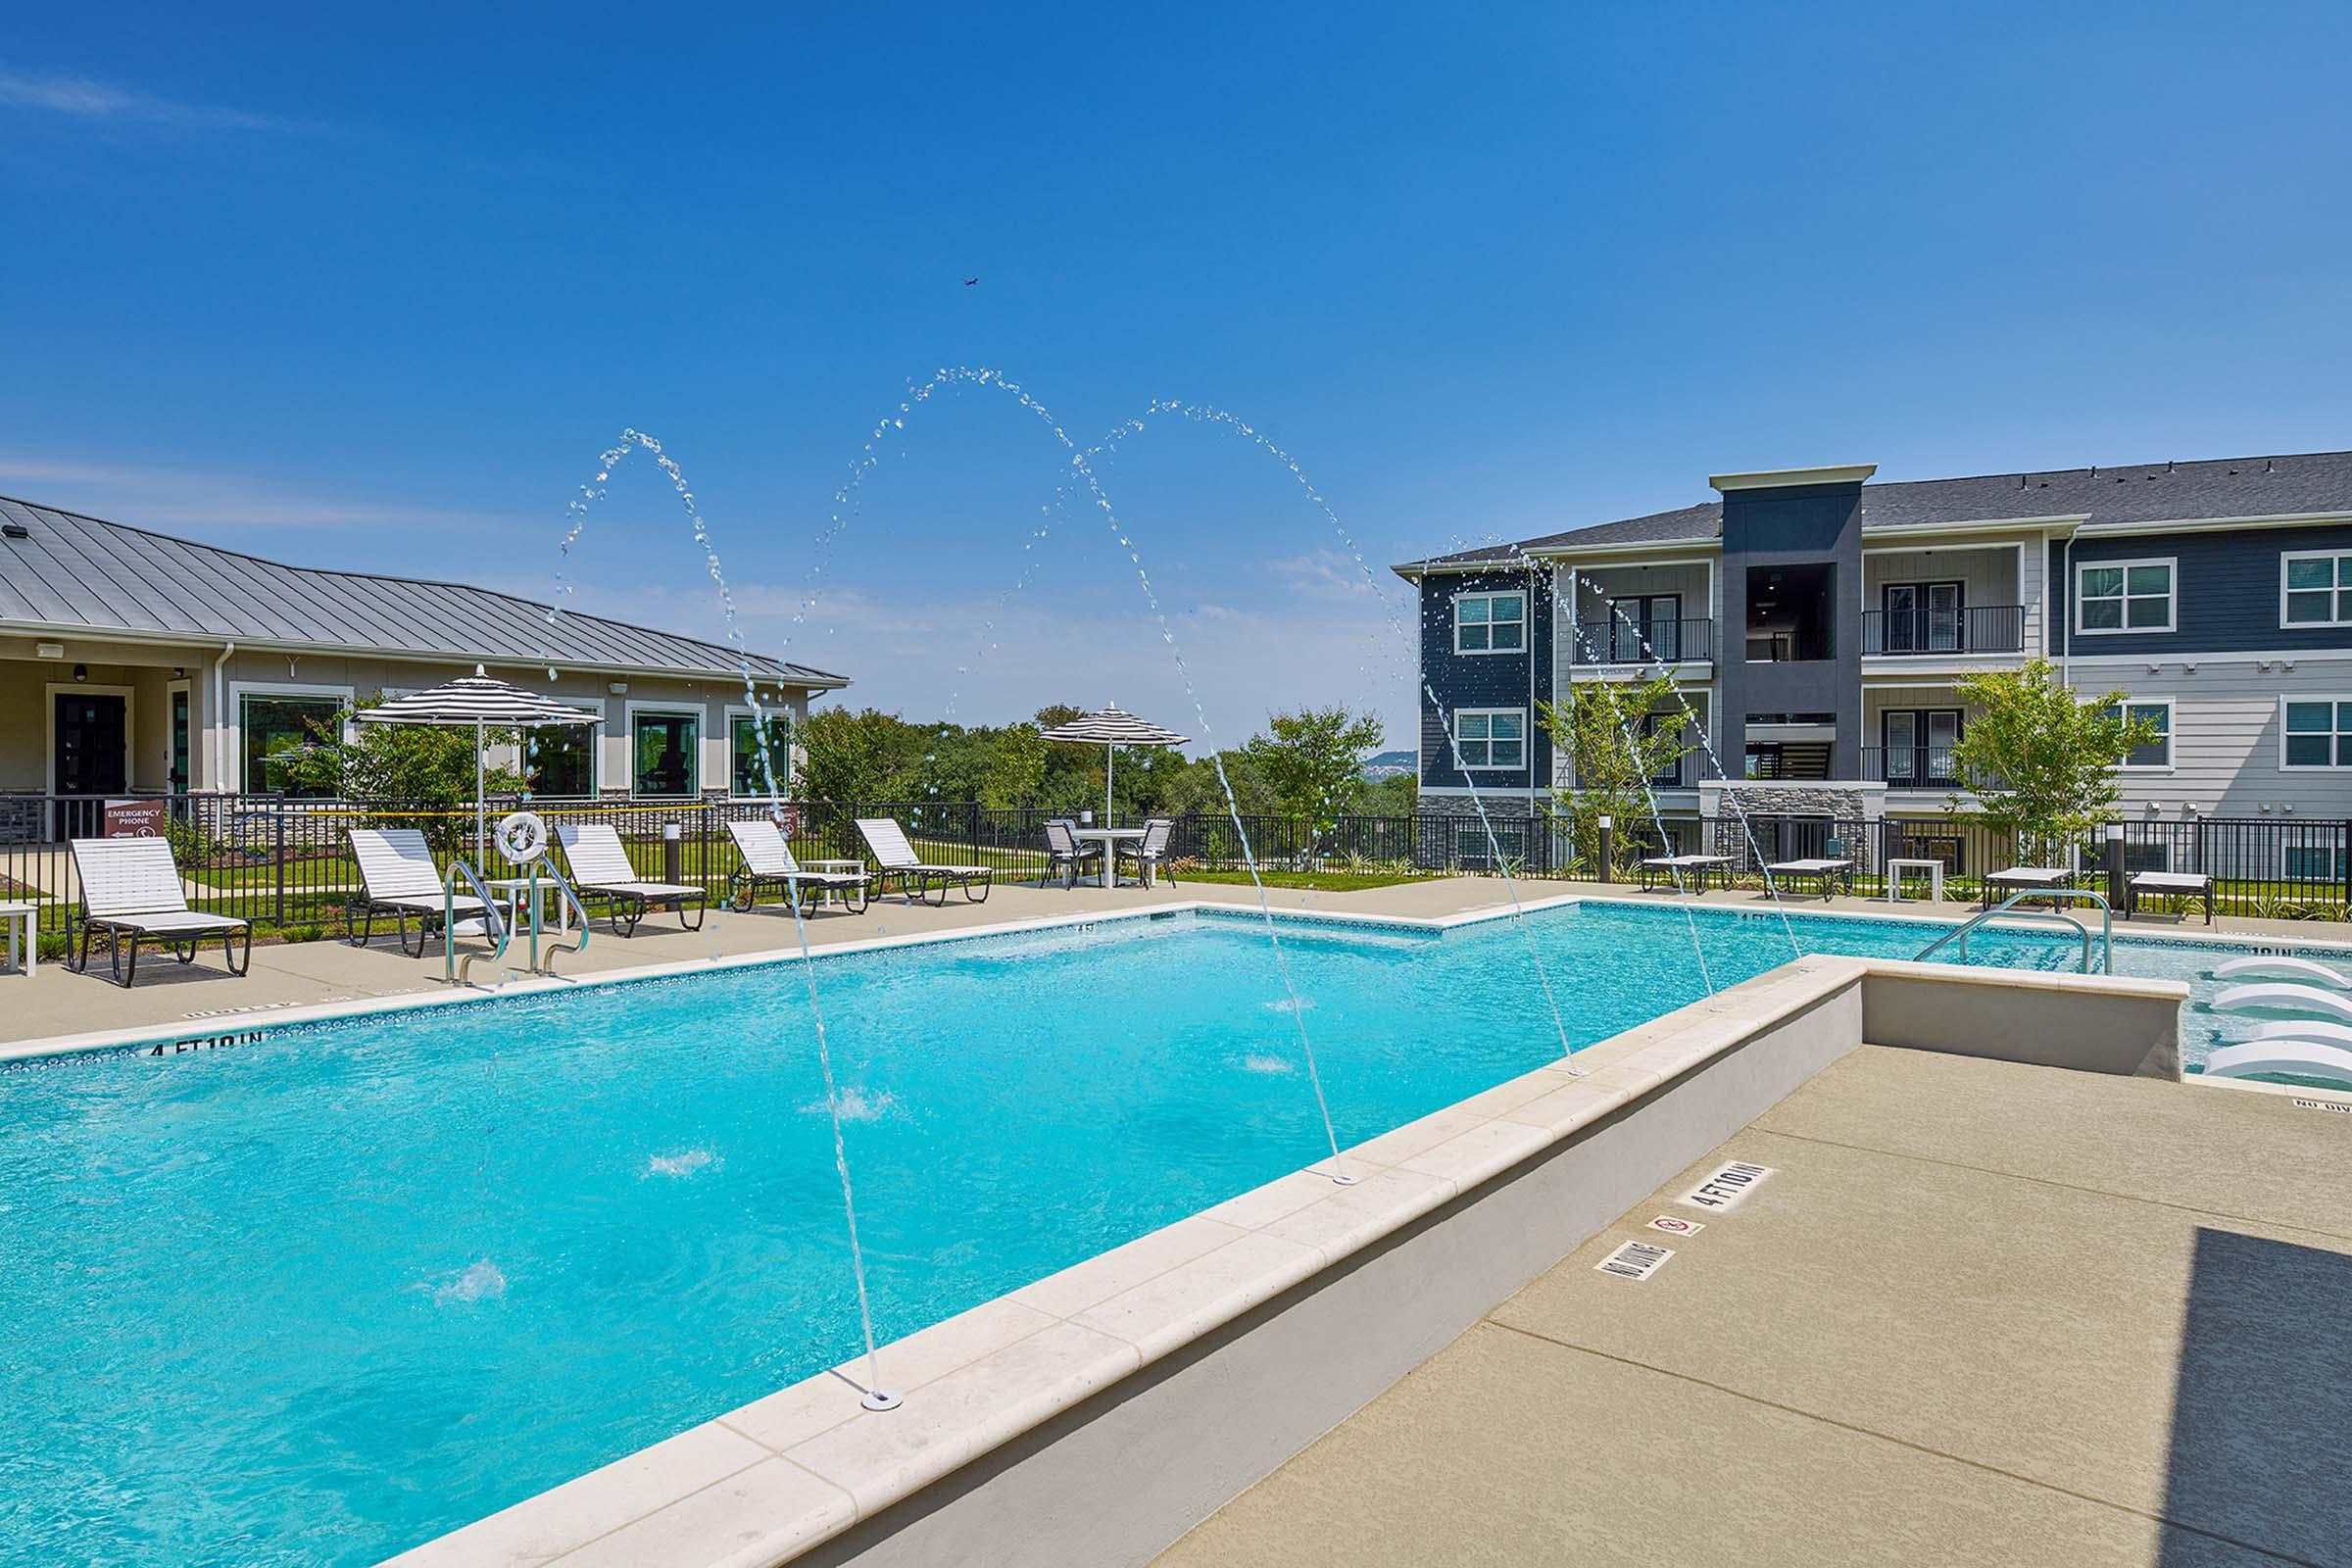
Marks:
<point>82,574</point>
<point>2219,489</point>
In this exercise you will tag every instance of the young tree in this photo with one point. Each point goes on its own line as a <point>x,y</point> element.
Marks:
<point>1602,727</point>
<point>411,765</point>
<point>2040,761</point>
<point>1314,761</point>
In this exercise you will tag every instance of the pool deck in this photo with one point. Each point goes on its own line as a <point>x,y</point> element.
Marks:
<point>1981,1313</point>
<point>57,1002</point>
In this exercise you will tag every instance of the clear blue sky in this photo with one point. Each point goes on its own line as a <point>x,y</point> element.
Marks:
<point>371,289</point>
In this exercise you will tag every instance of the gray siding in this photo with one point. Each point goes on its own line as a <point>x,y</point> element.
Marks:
<point>1794,525</point>
<point>2226,737</point>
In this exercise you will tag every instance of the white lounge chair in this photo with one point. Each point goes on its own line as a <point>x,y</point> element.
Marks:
<point>2168,885</point>
<point>2273,995</point>
<point>1825,873</point>
<point>768,859</point>
<point>397,877</point>
<point>1672,870</point>
<point>2327,1034</point>
<point>2294,1059</point>
<point>2024,879</point>
<point>2279,966</point>
<point>601,868</point>
<point>131,889</point>
<point>916,877</point>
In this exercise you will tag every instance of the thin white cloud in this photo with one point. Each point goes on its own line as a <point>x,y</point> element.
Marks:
<point>83,99</point>
<point>169,499</point>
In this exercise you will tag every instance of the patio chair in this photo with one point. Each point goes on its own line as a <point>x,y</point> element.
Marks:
<point>897,860</point>
<point>1067,855</point>
<point>601,868</point>
<point>131,889</point>
<point>768,860</point>
<point>2168,885</point>
<point>1150,852</point>
<point>397,878</point>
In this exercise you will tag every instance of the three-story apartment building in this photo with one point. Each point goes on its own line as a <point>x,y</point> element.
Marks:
<point>1817,622</point>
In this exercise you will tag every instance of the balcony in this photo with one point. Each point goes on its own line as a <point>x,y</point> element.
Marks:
<point>1910,768</point>
<point>1976,629</point>
<point>1634,641</point>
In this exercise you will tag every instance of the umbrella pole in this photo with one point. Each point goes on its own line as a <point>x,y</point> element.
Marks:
<point>1111,762</point>
<point>480,819</point>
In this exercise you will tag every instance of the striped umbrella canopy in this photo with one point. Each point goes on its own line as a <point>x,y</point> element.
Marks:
<point>1110,729</point>
<point>478,702</point>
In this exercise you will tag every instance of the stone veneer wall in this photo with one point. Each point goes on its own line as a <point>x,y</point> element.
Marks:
<point>1852,813</point>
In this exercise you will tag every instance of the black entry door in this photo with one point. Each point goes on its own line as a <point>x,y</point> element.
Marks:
<point>92,760</point>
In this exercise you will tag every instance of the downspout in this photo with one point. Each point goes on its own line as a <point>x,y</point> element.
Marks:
<point>218,729</point>
<point>2066,607</point>
<point>1531,683</point>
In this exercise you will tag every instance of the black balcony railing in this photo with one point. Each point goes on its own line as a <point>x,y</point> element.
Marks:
<point>1977,629</point>
<point>1635,641</point>
<point>1919,768</point>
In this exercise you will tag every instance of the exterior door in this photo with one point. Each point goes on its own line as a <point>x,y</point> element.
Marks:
<point>1923,617</point>
<point>1645,628</point>
<point>182,733</point>
<point>92,759</point>
<point>1903,745</point>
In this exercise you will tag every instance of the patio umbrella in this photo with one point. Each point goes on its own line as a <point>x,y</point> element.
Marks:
<point>1110,729</point>
<point>483,703</point>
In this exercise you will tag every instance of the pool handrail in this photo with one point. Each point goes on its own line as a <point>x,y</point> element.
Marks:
<point>2008,908</point>
<point>454,969</point>
<point>571,899</point>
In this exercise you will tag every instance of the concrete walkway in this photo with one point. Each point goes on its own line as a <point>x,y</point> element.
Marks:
<point>1981,1313</point>
<point>57,1002</point>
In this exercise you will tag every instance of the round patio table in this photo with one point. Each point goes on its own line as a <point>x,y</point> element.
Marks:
<point>1110,837</point>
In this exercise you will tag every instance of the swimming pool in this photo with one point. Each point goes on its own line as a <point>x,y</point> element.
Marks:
<point>330,1292</point>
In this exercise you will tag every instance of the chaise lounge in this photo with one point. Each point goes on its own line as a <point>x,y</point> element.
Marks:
<point>768,860</point>
<point>601,868</point>
<point>2168,885</point>
<point>131,889</point>
<point>1672,869</point>
<point>397,877</point>
<point>917,878</point>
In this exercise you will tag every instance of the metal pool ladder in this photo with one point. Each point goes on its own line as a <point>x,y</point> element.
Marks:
<point>2008,907</point>
<point>454,970</point>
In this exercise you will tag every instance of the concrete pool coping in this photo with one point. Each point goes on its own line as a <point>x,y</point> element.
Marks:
<point>1029,1372</point>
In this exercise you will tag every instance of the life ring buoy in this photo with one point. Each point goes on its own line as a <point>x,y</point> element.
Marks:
<point>521,837</point>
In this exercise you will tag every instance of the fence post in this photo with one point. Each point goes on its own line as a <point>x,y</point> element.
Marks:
<point>2114,865</point>
<point>278,863</point>
<point>2345,852</point>
<point>1608,847</point>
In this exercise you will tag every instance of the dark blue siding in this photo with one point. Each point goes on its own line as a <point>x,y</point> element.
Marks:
<point>2228,591</point>
<point>1481,680</point>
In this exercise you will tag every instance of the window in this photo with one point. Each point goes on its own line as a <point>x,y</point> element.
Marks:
<point>1645,628</point>
<point>2315,588</point>
<point>272,725</point>
<point>559,759</point>
<point>1918,745</point>
<point>2158,753</point>
<point>662,748</point>
<point>1490,623</point>
<point>745,774</point>
<point>2322,861</point>
<point>1678,725</point>
<point>2318,732</point>
<point>2124,596</point>
<point>1491,737</point>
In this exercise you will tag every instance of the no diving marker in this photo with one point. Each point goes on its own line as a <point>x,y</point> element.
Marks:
<point>1634,1261</point>
<point>1676,1225</point>
<point>1728,1187</point>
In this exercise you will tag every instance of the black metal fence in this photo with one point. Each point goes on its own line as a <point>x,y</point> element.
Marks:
<point>287,863</point>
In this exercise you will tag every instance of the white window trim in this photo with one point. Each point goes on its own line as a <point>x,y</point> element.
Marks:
<point>1526,625</point>
<point>1526,742</point>
<point>2328,766</point>
<point>782,765</point>
<point>596,746</point>
<point>697,711</point>
<point>2171,736</point>
<point>238,690</point>
<point>2336,593</point>
<point>2171,599</point>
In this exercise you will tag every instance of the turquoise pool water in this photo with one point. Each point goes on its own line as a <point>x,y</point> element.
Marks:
<point>318,1297</point>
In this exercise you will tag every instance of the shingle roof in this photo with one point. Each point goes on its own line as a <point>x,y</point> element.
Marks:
<point>2217,489</point>
<point>84,574</point>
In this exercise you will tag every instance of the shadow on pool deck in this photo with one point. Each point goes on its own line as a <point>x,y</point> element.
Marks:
<point>2262,1409</point>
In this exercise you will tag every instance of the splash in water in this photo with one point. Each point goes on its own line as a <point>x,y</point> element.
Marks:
<point>856,1105</point>
<point>1271,1065</point>
<point>682,1164</point>
<point>1303,1004</point>
<point>479,1281</point>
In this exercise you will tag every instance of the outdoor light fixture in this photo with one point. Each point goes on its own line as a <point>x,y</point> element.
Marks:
<point>50,650</point>
<point>618,688</point>
<point>81,672</point>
